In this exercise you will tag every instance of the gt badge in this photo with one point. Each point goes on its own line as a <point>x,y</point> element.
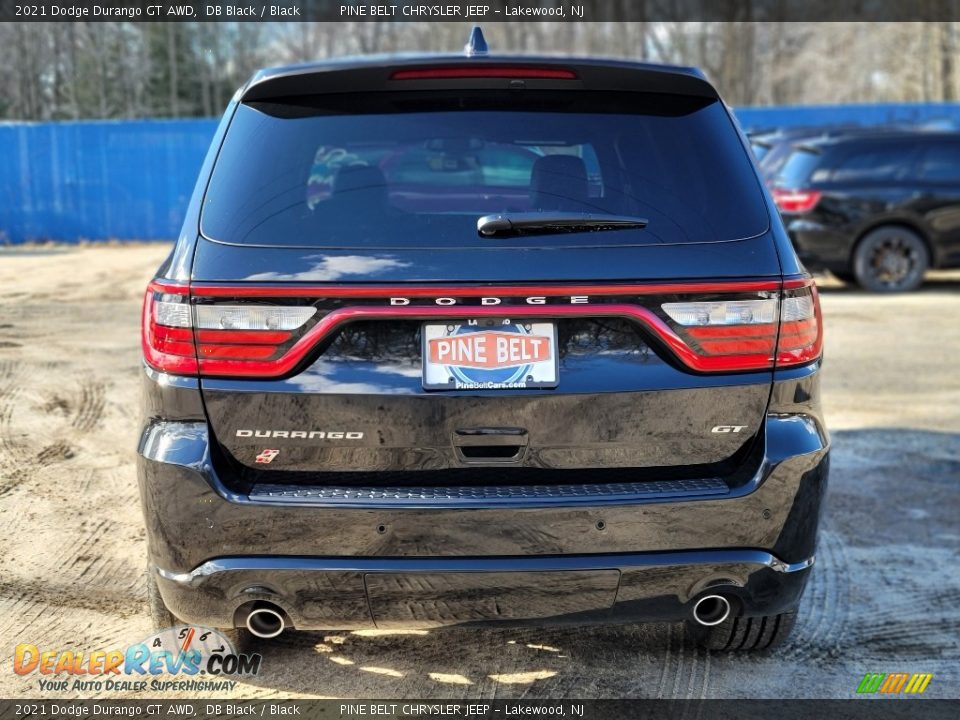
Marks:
<point>727,428</point>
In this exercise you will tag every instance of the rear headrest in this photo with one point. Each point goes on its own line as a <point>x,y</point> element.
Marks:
<point>357,179</point>
<point>559,182</point>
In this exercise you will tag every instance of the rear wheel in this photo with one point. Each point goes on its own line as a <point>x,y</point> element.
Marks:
<point>890,259</point>
<point>739,634</point>
<point>160,615</point>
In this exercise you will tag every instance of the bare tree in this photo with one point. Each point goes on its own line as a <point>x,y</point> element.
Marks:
<point>79,70</point>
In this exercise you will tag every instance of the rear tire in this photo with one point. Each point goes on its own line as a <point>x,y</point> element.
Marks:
<point>743,634</point>
<point>890,259</point>
<point>160,615</point>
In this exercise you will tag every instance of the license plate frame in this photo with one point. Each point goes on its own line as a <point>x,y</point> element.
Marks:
<point>521,369</point>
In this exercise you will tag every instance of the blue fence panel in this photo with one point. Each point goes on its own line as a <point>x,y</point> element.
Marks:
<point>131,180</point>
<point>98,180</point>
<point>945,114</point>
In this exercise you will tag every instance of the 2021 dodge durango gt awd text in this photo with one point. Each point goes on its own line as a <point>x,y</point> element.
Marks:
<point>449,341</point>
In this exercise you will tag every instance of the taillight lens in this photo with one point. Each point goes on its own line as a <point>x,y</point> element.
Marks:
<point>801,327</point>
<point>728,334</point>
<point>262,331</point>
<point>244,332</point>
<point>167,329</point>
<point>752,334</point>
<point>213,339</point>
<point>796,201</point>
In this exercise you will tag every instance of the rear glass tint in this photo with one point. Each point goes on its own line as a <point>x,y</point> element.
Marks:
<point>414,170</point>
<point>941,162</point>
<point>875,162</point>
<point>799,166</point>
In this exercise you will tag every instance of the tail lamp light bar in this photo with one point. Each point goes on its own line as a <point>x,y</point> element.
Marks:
<point>484,71</point>
<point>796,201</point>
<point>262,340</point>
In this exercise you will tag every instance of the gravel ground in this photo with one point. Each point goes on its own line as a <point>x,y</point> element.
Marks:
<point>885,595</point>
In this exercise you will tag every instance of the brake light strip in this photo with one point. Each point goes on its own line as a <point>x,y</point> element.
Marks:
<point>329,322</point>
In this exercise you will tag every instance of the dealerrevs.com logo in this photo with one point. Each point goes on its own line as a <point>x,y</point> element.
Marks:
<point>184,658</point>
<point>894,683</point>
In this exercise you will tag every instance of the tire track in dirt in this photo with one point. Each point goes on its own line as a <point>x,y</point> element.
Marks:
<point>894,622</point>
<point>19,462</point>
<point>665,664</point>
<point>11,451</point>
<point>699,682</point>
<point>90,409</point>
<point>58,452</point>
<point>117,572</point>
<point>813,608</point>
<point>8,368</point>
<point>692,664</point>
<point>78,553</point>
<point>824,611</point>
<point>19,617</point>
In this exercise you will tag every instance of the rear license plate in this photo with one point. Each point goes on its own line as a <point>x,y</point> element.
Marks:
<point>487,354</point>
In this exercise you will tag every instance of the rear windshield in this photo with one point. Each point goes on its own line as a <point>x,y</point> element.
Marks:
<point>798,168</point>
<point>759,150</point>
<point>406,170</point>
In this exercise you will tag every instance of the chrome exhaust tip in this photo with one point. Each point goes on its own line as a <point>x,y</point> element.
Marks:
<point>265,621</point>
<point>711,610</point>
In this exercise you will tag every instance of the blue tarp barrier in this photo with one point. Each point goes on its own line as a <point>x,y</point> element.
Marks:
<point>74,181</point>
<point>945,115</point>
<point>131,180</point>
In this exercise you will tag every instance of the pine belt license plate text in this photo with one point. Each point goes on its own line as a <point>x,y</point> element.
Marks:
<point>489,354</point>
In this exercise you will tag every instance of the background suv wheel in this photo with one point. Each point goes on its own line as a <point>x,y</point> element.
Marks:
<point>890,259</point>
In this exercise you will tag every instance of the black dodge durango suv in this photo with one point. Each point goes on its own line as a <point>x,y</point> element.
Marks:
<point>453,340</point>
<point>878,209</point>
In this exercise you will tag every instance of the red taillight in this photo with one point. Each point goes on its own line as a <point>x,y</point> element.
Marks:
<point>167,329</point>
<point>801,326</point>
<point>753,333</point>
<point>796,201</point>
<point>215,338</point>
<point>739,340</point>
<point>263,331</point>
<point>728,335</point>
<point>481,71</point>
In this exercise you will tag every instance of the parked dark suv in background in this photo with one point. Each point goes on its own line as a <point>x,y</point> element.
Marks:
<point>447,341</point>
<point>879,210</point>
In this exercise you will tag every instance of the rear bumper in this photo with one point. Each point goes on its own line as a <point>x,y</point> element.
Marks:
<point>342,561</point>
<point>355,593</point>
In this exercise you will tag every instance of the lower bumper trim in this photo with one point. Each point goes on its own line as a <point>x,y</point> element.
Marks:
<point>341,593</point>
<point>484,564</point>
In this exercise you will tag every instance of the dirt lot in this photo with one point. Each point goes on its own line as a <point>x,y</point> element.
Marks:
<point>885,595</point>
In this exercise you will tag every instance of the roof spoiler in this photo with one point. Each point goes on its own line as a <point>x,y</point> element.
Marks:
<point>388,74</point>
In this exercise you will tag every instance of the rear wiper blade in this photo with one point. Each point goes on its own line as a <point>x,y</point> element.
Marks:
<point>504,224</point>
